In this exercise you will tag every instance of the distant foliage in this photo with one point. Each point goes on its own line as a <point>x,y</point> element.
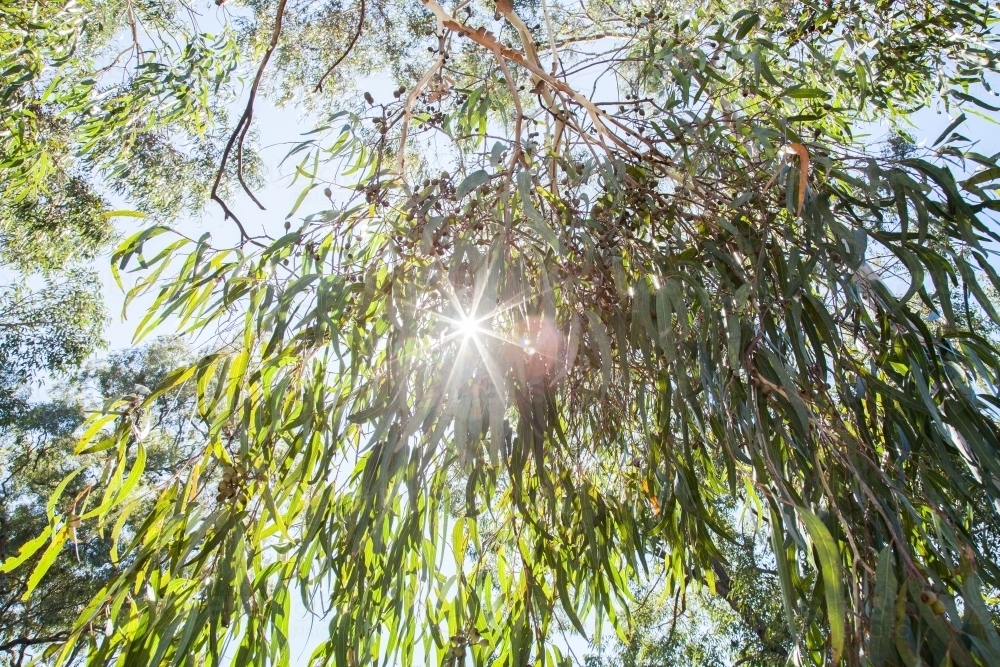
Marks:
<point>48,330</point>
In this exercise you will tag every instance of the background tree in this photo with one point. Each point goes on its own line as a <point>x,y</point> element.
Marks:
<point>595,274</point>
<point>37,452</point>
<point>740,622</point>
<point>49,330</point>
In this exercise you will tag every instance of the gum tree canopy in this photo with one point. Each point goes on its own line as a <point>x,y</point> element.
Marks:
<point>601,287</point>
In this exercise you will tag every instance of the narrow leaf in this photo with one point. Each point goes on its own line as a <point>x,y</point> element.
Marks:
<point>833,579</point>
<point>883,610</point>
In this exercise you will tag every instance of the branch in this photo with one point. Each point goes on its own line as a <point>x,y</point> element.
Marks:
<point>240,131</point>
<point>486,39</point>
<point>520,112</point>
<point>347,51</point>
<point>32,641</point>
<point>410,99</point>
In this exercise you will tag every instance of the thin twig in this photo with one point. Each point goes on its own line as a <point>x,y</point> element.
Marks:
<point>241,129</point>
<point>347,51</point>
<point>517,106</point>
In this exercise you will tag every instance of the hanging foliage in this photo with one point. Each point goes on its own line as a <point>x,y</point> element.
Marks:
<point>596,273</point>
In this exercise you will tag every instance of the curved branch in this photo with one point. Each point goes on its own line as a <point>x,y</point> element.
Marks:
<point>347,51</point>
<point>243,126</point>
<point>529,60</point>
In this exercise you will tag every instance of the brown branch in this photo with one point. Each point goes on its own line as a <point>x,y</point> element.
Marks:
<point>598,116</point>
<point>347,51</point>
<point>32,641</point>
<point>517,106</point>
<point>243,126</point>
<point>410,99</point>
<point>586,38</point>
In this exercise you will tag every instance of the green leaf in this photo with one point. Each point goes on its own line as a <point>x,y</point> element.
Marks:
<point>45,562</point>
<point>947,131</point>
<point>748,24</point>
<point>784,576</point>
<point>883,618</point>
<point>975,100</point>
<point>298,200</point>
<point>983,176</point>
<point>833,579</point>
<point>27,550</point>
<point>122,213</point>
<point>600,334</point>
<point>50,507</point>
<point>806,93</point>
<point>471,182</point>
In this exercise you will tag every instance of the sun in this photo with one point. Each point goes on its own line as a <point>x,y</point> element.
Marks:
<point>467,327</point>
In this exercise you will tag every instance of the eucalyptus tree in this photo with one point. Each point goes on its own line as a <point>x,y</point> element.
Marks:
<point>594,271</point>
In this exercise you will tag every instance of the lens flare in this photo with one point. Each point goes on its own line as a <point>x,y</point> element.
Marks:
<point>467,327</point>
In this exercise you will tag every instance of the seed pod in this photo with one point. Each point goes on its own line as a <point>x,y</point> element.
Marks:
<point>938,607</point>
<point>227,478</point>
<point>369,98</point>
<point>223,487</point>
<point>220,497</point>
<point>229,470</point>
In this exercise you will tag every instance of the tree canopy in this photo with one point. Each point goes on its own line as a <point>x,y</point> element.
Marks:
<point>601,295</point>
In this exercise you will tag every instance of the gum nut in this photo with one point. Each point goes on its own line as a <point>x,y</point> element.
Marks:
<point>227,478</point>
<point>484,642</point>
<point>229,470</point>
<point>938,607</point>
<point>223,487</point>
<point>220,497</point>
<point>230,493</point>
<point>327,191</point>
